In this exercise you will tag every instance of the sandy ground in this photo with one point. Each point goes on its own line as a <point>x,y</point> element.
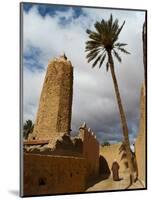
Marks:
<point>109,184</point>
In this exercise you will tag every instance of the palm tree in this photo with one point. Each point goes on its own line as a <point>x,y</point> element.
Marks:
<point>28,128</point>
<point>104,43</point>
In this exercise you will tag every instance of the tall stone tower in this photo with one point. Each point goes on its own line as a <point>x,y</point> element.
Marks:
<point>55,106</point>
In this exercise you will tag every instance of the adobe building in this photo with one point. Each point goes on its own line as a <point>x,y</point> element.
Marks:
<point>65,169</point>
<point>140,145</point>
<point>54,161</point>
<point>55,105</point>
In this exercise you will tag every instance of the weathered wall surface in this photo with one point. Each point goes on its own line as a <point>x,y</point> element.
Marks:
<point>84,145</point>
<point>140,145</point>
<point>54,112</point>
<point>45,174</point>
<point>90,151</point>
<point>65,145</point>
<point>54,161</point>
<point>112,152</point>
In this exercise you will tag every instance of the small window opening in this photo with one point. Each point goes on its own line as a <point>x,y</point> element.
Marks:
<point>42,181</point>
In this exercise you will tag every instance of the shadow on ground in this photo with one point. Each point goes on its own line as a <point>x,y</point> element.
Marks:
<point>104,172</point>
<point>97,180</point>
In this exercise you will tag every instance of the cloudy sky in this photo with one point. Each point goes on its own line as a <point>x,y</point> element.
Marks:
<point>48,31</point>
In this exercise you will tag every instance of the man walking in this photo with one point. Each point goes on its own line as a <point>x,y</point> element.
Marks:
<point>115,170</point>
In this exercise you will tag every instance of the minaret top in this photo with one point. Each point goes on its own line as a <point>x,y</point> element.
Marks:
<point>63,57</point>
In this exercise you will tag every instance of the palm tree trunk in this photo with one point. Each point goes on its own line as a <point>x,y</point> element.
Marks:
<point>122,117</point>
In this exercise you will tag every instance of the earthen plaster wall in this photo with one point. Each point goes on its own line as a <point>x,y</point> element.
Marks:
<point>90,151</point>
<point>54,112</point>
<point>140,145</point>
<point>45,174</point>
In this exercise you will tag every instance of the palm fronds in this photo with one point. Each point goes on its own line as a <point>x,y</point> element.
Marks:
<point>117,56</point>
<point>104,38</point>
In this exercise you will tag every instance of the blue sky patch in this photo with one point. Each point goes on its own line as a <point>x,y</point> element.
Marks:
<point>31,59</point>
<point>27,6</point>
<point>51,10</point>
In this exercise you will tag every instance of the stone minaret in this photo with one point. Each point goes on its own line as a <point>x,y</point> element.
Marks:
<point>55,106</point>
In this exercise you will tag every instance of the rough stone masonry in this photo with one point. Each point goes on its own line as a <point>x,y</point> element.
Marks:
<point>54,161</point>
<point>54,112</point>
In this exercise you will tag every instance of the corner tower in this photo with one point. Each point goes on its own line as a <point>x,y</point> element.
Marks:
<point>55,106</point>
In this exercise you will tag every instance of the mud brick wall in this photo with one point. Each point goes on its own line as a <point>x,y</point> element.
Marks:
<point>45,174</point>
<point>140,145</point>
<point>90,151</point>
<point>54,112</point>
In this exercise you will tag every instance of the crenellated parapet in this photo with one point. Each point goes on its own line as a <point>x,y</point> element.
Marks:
<point>85,145</point>
<point>90,150</point>
<point>86,132</point>
<point>51,135</point>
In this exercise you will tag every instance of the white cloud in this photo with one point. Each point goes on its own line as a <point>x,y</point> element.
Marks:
<point>94,99</point>
<point>32,85</point>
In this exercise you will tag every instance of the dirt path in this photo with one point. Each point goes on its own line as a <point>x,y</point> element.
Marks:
<point>109,184</point>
